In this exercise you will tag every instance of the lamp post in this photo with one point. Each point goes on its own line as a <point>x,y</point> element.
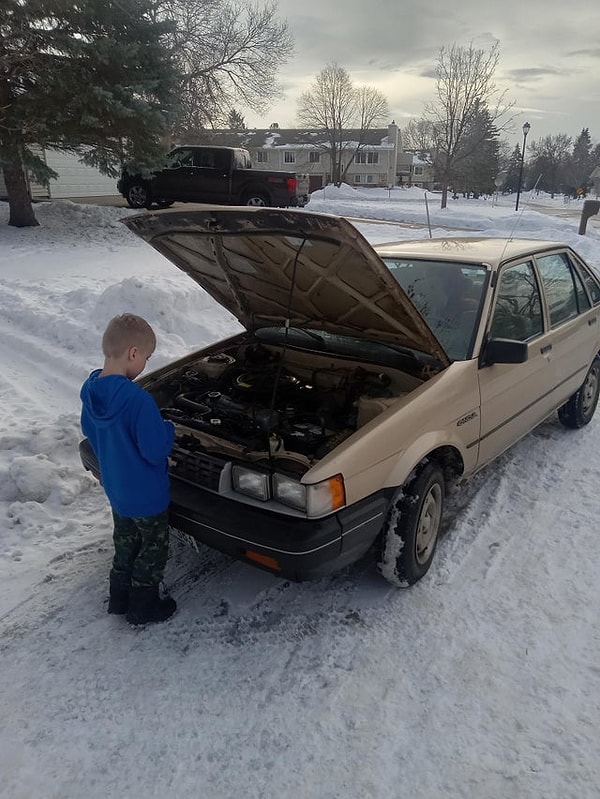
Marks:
<point>526,128</point>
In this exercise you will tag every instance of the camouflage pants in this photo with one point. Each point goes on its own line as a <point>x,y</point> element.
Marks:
<point>141,549</point>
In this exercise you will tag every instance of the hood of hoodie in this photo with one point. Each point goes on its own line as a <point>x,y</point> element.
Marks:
<point>105,397</point>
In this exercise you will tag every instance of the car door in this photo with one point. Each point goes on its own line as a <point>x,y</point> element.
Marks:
<point>175,181</point>
<point>572,319</point>
<point>516,397</point>
<point>210,182</point>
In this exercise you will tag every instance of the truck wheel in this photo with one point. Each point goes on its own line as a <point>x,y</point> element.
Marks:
<point>255,198</point>
<point>411,531</point>
<point>138,195</point>
<point>579,409</point>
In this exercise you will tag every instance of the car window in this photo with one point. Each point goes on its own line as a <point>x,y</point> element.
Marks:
<point>589,280</point>
<point>447,295</point>
<point>559,284</point>
<point>517,311</point>
<point>177,158</point>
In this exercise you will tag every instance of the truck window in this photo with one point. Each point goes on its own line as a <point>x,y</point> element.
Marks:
<point>241,160</point>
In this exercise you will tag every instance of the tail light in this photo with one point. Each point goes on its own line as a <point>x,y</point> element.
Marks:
<point>292,185</point>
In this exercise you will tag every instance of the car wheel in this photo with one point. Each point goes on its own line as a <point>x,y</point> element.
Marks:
<point>256,199</point>
<point>138,195</point>
<point>411,530</point>
<point>164,203</point>
<point>579,409</point>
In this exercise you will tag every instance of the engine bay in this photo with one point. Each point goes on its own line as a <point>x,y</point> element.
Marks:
<point>253,403</point>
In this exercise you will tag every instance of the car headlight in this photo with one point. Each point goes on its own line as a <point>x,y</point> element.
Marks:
<point>289,491</point>
<point>248,481</point>
<point>317,499</point>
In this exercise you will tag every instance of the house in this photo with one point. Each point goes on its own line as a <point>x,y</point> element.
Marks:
<point>378,161</point>
<point>74,179</point>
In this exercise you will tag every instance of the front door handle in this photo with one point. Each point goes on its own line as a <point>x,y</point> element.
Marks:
<point>592,321</point>
<point>546,349</point>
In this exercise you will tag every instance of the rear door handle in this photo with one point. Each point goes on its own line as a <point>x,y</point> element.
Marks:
<point>592,321</point>
<point>546,349</point>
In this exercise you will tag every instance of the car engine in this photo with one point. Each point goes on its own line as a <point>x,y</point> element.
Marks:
<point>256,408</point>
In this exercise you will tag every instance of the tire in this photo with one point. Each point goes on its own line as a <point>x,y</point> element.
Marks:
<point>138,195</point>
<point>255,199</point>
<point>164,203</point>
<point>579,409</point>
<point>411,530</point>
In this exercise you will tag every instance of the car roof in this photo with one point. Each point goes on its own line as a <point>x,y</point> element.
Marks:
<point>477,250</point>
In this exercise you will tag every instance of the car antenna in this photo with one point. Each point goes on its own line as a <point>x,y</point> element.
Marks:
<point>518,219</point>
<point>274,441</point>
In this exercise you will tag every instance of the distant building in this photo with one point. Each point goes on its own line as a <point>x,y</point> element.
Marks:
<point>379,160</point>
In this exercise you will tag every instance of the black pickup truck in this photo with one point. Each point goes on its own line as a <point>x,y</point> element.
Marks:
<point>210,174</point>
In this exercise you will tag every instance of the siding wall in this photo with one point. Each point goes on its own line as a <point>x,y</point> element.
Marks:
<point>76,179</point>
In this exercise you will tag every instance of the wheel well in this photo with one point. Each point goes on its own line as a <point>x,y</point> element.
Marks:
<point>450,461</point>
<point>258,190</point>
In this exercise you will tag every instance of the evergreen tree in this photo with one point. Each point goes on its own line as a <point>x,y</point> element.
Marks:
<point>580,164</point>
<point>92,77</point>
<point>511,181</point>
<point>235,120</point>
<point>477,168</point>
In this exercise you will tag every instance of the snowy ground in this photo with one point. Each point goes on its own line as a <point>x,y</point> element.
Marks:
<point>483,681</point>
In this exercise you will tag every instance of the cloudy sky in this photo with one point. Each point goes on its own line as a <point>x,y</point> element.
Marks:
<point>549,54</point>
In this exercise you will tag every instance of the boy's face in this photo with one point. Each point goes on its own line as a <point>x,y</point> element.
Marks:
<point>137,358</point>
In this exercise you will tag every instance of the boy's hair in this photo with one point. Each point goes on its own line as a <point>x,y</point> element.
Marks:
<point>124,331</point>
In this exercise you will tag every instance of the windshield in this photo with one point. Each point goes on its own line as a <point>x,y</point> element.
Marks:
<point>447,295</point>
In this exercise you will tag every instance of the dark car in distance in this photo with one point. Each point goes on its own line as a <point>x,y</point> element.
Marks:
<point>211,174</point>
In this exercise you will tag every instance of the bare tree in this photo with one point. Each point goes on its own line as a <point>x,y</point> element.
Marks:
<point>418,137</point>
<point>229,53</point>
<point>549,159</point>
<point>466,94</point>
<point>333,104</point>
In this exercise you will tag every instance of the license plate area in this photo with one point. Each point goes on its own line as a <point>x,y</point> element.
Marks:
<point>184,538</point>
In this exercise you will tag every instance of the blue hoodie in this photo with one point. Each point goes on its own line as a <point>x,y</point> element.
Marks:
<point>131,441</point>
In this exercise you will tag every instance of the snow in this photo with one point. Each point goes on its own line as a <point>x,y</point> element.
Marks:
<point>481,681</point>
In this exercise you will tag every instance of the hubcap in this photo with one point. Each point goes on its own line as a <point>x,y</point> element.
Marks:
<point>590,391</point>
<point>256,201</point>
<point>137,195</point>
<point>428,524</point>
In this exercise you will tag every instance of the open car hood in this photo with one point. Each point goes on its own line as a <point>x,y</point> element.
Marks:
<point>269,265</point>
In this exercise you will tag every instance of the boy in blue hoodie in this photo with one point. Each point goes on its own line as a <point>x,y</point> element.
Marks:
<point>132,442</point>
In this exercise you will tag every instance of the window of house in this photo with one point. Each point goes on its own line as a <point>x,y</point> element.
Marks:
<point>418,170</point>
<point>367,157</point>
<point>314,157</point>
<point>289,157</point>
<point>367,179</point>
<point>262,157</point>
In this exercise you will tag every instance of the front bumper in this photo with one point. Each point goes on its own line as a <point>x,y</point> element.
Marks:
<point>302,549</point>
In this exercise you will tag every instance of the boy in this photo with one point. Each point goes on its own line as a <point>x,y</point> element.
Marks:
<point>131,441</point>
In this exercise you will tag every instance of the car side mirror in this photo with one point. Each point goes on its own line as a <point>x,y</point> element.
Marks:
<point>504,350</point>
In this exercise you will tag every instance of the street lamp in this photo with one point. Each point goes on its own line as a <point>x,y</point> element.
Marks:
<point>526,128</point>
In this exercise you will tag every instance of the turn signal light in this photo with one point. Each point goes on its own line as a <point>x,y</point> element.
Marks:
<point>264,560</point>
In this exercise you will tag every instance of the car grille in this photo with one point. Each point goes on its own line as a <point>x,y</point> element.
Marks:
<point>197,468</point>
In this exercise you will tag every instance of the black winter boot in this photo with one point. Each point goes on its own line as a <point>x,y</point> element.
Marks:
<point>146,605</point>
<point>118,601</point>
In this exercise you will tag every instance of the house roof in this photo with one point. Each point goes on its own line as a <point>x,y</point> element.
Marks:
<point>287,137</point>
